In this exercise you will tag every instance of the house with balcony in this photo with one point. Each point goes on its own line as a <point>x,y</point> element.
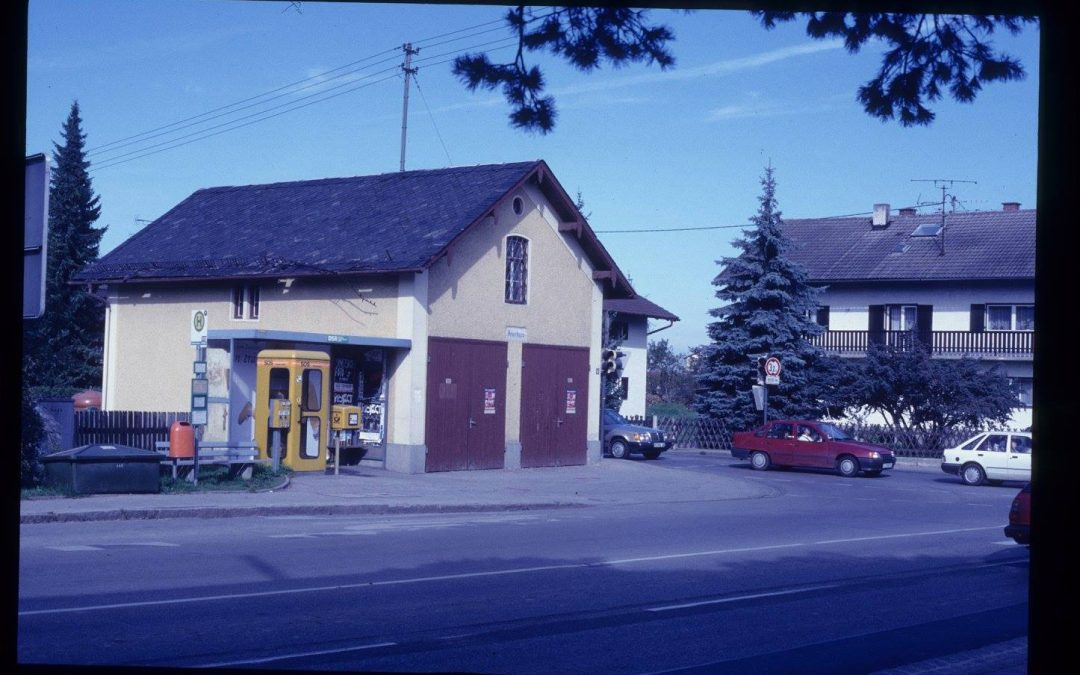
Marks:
<point>963,282</point>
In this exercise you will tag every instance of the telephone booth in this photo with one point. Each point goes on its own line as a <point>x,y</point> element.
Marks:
<point>292,400</point>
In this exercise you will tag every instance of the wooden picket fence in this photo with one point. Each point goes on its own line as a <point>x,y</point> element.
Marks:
<point>135,428</point>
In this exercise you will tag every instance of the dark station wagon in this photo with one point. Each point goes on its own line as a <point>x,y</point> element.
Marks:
<point>809,444</point>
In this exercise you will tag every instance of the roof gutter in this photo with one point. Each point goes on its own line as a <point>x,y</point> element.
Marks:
<point>670,324</point>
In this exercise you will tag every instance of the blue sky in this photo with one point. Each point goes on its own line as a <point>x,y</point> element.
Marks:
<point>647,149</point>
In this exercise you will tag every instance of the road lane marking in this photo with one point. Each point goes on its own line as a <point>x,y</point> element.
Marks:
<point>910,534</point>
<point>474,575</point>
<point>669,608</point>
<point>75,548</point>
<point>297,655</point>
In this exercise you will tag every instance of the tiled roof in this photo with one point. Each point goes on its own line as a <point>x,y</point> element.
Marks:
<point>638,307</point>
<point>977,245</point>
<point>366,224</point>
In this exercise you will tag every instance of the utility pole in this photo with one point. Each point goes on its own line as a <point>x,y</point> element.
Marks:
<point>941,183</point>
<point>409,70</point>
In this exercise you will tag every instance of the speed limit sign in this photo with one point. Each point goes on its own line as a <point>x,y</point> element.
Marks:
<point>772,370</point>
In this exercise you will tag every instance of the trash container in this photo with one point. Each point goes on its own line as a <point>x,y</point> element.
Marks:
<point>95,469</point>
<point>181,439</point>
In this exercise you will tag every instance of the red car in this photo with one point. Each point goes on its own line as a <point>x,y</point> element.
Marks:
<point>811,444</point>
<point>1019,527</point>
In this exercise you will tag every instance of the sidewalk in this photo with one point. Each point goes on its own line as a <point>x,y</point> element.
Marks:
<point>364,489</point>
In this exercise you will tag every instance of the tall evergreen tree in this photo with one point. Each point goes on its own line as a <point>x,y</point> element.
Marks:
<point>64,347</point>
<point>766,308</point>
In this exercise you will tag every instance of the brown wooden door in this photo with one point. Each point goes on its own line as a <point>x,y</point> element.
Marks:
<point>554,405</point>
<point>466,415</point>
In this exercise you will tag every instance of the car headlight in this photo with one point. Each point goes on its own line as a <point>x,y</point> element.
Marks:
<point>875,455</point>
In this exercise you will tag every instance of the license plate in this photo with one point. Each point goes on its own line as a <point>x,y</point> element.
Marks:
<point>888,465</point>
<point>658,445</point>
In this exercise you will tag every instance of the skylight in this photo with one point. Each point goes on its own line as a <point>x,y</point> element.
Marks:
<point>927,230</point>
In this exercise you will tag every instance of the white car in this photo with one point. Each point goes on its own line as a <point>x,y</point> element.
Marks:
<point>991,456</point>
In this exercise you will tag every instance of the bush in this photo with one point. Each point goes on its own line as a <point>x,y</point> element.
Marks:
<point>31,471</point>
<point>669,409</point>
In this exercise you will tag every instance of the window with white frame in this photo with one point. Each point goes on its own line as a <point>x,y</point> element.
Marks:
<point>900,317</point>
<point>245,302</point>
<point>1010,317</point>
<point>517,270</point>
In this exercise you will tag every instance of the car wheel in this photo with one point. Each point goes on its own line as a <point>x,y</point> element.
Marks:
<point>972,474</point>
<point>759,460</point>
<point>619,450</point>
<point>652,454</point>
<point>848,466</point>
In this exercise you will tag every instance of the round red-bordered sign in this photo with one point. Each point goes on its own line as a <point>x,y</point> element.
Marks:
<point>772,366</point>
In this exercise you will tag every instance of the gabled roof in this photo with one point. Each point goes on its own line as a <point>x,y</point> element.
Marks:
<point>393,222</point>
<point>978,245</point>
<point>638,306</point>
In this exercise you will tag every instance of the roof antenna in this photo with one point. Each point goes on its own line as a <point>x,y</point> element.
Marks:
<point>941,183</point>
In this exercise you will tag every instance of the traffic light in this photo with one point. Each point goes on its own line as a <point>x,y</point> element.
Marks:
<point>608,362</point>
<point>620,362</point>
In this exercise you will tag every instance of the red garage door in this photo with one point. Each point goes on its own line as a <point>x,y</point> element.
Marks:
<point>466,416</point>
<point>554,405</point>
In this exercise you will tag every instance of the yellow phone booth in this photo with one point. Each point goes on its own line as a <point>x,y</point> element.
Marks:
<point>292,397</point>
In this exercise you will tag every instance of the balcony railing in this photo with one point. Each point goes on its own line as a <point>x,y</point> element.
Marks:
<point>998,344</point>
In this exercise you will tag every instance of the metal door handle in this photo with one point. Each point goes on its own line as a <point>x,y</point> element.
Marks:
<point>472,423</point>
<point>558,422</point>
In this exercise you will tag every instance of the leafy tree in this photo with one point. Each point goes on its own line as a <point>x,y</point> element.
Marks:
<point>669,381</point>
<point>928,53</point>
<point>911,390</point>
<point>64,347</point>
<point>32,435</point>
<point>766,307</point>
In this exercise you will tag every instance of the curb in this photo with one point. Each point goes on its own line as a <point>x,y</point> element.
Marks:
<point>309,510</point>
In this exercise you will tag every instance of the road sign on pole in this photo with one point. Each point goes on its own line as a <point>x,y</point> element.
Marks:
<point>772,370</point>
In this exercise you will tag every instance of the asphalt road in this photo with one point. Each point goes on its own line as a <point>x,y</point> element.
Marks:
<point>827,574</point>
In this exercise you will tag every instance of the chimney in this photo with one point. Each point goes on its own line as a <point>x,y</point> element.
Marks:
<point>1010,206</point>
<point>881,216</point>
<point>907,211</point>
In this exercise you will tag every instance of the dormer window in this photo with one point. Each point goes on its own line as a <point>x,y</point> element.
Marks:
<point>517,270</point>
<point>245,302</point>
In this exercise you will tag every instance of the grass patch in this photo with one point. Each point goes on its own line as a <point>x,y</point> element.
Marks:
<point>215,478</point>
<point>44,492</point>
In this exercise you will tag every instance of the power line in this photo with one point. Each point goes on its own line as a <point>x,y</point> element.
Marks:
<point>728,227</point>
<point>432,117</point>
<point>314,79</point>
<point>201,134</point>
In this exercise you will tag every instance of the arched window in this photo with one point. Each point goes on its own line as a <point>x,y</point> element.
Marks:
<point>517,269</point>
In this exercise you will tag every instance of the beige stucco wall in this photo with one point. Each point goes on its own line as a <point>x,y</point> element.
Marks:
<point>466,298</point>
<point>148,353</point>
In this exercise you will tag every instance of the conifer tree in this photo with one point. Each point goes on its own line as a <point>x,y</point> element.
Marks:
<point>766,309</point>
<point>63,349</point>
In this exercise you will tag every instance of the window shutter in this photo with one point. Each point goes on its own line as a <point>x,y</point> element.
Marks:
<point>924,325</point>
<point>823,316</point>
<point>978,318</point>
<point>876,327</point>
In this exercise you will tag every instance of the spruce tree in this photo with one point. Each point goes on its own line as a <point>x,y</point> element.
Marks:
<point>63,349</point>
<point>766,309</point>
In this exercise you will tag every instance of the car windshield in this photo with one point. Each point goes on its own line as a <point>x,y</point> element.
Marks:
<point>613,417</point>
<point>834,432</point>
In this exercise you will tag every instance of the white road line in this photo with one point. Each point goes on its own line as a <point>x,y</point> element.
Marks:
<point>154,543</point>
<point>910,534</point>
<point>474,575</point>
<point>297,655</point>
<point>75,548</point>
<point>669,608</point>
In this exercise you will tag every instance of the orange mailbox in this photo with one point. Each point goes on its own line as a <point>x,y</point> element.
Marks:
<point>181,440</point>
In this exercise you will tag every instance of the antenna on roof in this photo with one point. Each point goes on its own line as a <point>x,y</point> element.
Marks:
<point>941,183</point>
